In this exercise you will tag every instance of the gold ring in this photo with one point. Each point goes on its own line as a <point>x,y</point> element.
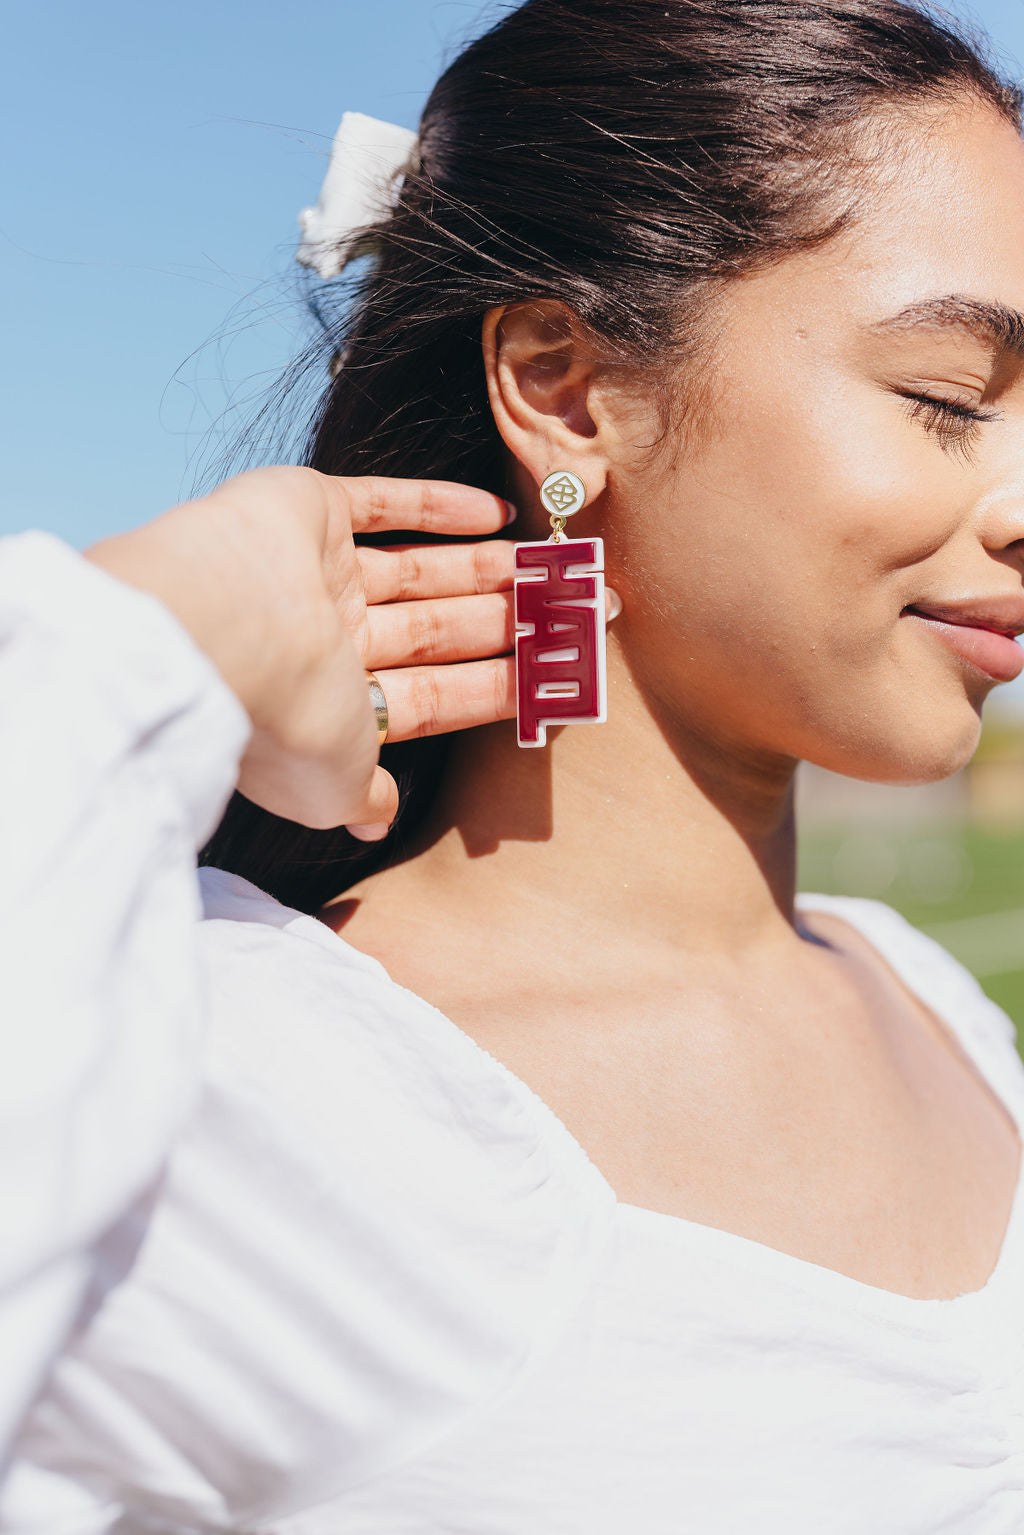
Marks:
<point>380,707</point>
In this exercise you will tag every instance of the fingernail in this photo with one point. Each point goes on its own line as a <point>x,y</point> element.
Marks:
<point>511,513</point>
<point>374,833</point>
<point>614,603</point>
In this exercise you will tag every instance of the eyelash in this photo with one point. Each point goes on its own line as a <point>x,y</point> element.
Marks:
<point>956,425</point>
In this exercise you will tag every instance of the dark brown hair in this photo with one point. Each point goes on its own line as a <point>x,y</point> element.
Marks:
<point>626,157</point>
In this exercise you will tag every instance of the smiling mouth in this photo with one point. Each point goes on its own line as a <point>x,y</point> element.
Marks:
<point>966,619</point>
<point>983,639</point>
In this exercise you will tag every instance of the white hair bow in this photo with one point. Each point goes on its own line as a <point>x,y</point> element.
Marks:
<point>368,160</point>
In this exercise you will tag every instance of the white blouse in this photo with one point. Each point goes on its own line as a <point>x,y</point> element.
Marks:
<point>298,1257</point>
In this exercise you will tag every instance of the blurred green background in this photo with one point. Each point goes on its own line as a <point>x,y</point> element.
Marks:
<point>949,856</point>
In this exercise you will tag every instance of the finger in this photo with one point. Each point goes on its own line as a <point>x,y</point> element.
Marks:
<point>373,819</point>
<point>407,572</point>
<point>444,630</point>
<point>379,504</point>
<point>430,700</point>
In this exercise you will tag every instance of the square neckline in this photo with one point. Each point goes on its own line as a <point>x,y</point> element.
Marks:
<point>815,1280</point>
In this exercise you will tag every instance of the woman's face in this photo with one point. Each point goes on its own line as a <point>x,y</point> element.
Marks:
<point>821,577</point>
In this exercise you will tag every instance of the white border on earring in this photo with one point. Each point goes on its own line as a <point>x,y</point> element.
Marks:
<point>580,568</point>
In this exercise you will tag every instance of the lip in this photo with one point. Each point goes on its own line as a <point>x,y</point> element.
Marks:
<point>1001,614</point>
<point>980,631</point>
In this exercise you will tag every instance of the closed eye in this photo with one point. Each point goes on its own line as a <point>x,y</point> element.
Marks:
<point>956,425</point>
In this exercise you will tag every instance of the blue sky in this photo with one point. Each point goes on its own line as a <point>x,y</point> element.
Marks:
<point>160,155</point>
<point>156,158</point>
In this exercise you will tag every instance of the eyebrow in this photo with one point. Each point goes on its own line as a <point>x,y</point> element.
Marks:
<point>998,326</point>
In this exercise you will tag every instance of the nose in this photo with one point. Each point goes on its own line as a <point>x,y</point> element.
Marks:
<point>1001,527</point>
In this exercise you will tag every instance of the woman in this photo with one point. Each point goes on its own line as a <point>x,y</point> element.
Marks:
<point>554,1167</point>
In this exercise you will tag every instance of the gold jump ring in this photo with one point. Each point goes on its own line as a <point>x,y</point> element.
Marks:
<point>380,707</point>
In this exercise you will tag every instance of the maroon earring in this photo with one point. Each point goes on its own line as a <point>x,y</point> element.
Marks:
<point>560,622</point>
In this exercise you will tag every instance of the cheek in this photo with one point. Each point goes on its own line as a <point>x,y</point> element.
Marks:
<point>767,581</point>
<point>808,518</point>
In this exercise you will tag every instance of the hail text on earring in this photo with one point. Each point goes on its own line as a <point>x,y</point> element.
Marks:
<point>560,622</point>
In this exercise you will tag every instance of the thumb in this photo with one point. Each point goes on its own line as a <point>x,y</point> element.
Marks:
<point>375,816</point>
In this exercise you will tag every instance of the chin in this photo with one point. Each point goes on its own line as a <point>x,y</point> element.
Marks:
<point>924,747</point>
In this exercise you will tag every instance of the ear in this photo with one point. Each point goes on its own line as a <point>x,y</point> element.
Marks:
<point>543,389</point>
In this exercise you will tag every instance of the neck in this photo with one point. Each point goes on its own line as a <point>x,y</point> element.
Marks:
<point>637,826</point>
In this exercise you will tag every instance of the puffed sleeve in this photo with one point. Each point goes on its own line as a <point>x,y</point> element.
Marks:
<point>119,747</point>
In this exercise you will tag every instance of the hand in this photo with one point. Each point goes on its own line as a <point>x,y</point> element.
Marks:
<point>265,575</point>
